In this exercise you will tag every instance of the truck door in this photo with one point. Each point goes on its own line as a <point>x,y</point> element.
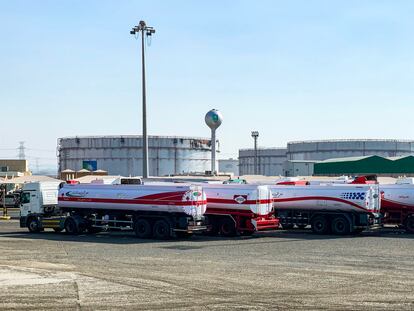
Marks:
<point>25,203</point>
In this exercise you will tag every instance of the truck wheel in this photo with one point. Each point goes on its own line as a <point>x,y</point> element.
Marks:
<point>340,225</point>
<point>71,227</point>
<point>227,227</point>
<point>287,226</point>
<point>33,225</point>
<point>162,230</point>
<point>319,225</point>
<point>142,228</point>
<point>409,224</point>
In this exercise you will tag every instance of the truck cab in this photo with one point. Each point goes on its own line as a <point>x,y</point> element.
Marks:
<point>38,200</point>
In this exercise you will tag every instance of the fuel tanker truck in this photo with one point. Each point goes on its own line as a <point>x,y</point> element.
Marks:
<point>159,211</point>
<point>397,204</point>
<point>234,209</point>
<point>338,209</point>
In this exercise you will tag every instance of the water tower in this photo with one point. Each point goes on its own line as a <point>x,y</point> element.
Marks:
<point>213,120</point>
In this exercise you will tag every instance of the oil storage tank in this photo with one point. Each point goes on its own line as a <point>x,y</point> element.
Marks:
<point>342,148</point>
<point>270,161</point>
<point>122,155</point>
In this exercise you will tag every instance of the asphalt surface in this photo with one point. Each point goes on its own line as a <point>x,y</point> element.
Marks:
<point>269,271</point>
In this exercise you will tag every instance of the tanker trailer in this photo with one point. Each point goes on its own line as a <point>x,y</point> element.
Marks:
<point>159,211</point>
<point>340,209</point>
<point>397,205</point>
<point>234,209</point>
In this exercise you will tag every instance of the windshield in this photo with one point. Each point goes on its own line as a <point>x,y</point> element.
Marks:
<point>25,197</point>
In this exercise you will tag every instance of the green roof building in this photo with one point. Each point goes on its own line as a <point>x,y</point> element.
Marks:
<point>394,166</point>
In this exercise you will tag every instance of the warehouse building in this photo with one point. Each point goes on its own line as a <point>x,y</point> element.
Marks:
<point>14,168</point>
<point>122,155</point>
<point>392,166</point>
<point>299,156</point>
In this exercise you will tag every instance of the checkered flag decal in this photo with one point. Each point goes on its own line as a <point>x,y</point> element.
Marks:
<point>353,195</point>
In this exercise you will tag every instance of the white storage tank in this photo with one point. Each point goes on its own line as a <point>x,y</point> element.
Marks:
<point>229,166</point>
<point>270,161</point>
<point>122,155</point>
<point>341,148</point>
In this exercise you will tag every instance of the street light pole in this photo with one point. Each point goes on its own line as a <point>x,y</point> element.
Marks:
<point>255,135</point>
<point>145,31</point>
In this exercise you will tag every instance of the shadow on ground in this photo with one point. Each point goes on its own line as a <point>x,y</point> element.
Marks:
<point>196,241</point>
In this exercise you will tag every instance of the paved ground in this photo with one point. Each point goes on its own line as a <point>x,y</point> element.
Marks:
<point>275,270</point>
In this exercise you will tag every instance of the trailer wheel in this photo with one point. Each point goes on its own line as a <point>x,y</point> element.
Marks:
<point>319,225</point>
<point>227,227</point>
<point>33,225</point>
<point>340,225</point>
<point>142,228</point>
<point>71,227</point>
<point>162,230</point>
<point>409,224</point>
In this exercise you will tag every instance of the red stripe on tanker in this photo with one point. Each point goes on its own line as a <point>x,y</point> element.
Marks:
<point>188,199</point>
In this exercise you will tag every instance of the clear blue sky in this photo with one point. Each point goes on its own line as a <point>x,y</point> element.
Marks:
<point>293,70</point>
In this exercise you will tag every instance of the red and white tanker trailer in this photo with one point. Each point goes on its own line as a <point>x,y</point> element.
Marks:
<point>239,209</point>
<point>159,211</point>
<point>340,209</point>
<point>397,205</point>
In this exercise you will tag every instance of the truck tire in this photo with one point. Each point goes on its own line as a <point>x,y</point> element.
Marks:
<point>227,227</point>
<point>320,225</point>
<point>340,225</point>
<point>162,230</point>
<point>142,228</point>
<point>33,225</point>
<point>409,224</point>
<point>71,227</point>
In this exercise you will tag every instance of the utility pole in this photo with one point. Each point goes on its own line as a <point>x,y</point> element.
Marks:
<point>255,135</point>
<point>145,31</point>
